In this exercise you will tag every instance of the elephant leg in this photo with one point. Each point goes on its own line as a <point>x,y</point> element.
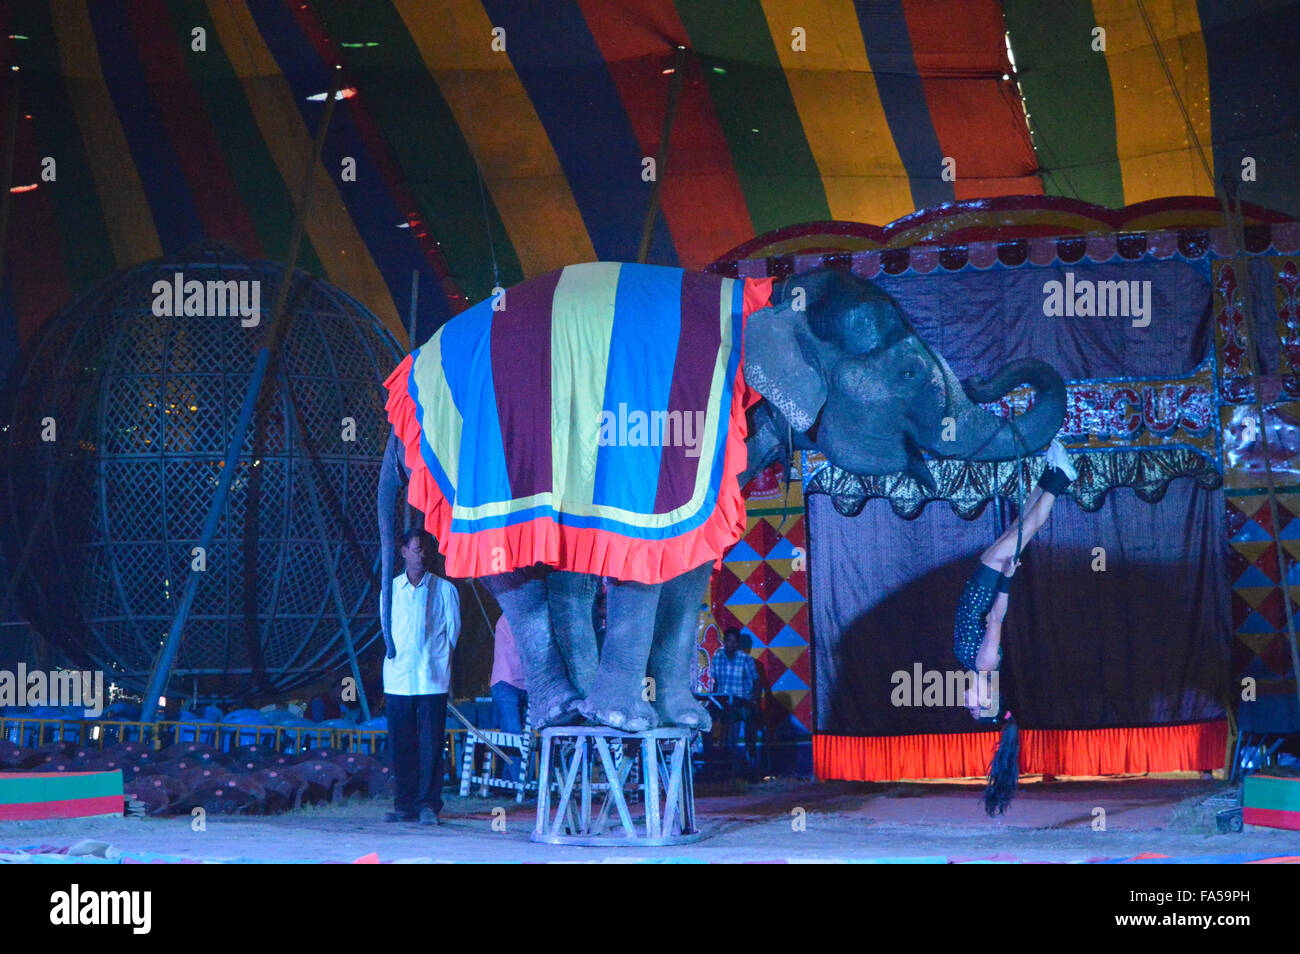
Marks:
<point>552,698</point>
<point>570,597</point>
<point>616,698</point>
<point>675,636</point>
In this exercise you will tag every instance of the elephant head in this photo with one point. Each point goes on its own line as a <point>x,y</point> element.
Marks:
<point>839,360</point>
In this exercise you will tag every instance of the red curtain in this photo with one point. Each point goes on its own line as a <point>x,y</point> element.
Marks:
<point>1195,746</point>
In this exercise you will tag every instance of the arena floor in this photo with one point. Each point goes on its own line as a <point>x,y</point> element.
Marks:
<point>1050,822</point>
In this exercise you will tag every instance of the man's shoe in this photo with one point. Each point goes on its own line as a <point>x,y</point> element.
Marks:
<point>400,816</point>
<point>428,817</point>
<point>1060,459</point>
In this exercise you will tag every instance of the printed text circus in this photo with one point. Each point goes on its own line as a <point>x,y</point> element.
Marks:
<point>1125,411</point>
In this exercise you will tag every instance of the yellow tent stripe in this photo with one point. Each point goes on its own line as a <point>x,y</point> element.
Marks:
<point>519,164</point>
<point>127,214</point>
<point>1147,118</point>
<point>839,106</point>
<point>347,260</point>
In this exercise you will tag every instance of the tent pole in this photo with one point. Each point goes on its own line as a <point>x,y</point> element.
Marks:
<point>167,655</point>
<point>318,520</point>
<point>661,160</point>
<point>415,297</point>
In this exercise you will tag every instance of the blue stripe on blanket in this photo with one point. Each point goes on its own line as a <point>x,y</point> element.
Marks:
<point>642,355</point>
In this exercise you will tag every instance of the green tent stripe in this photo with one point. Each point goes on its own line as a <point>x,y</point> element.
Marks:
<point>777,172</point>
<point>57,786</point>
<point>426,142</point>
<point>87,248</point>
<point>268,198</point>
<point>1068,94</point>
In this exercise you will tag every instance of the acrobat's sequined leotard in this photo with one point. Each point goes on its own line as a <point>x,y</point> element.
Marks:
<point>976,600</point>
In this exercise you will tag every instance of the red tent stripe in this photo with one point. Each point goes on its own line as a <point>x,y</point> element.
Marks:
<point>189,128</point>
<point>976,114</point>
<point>701,196</point>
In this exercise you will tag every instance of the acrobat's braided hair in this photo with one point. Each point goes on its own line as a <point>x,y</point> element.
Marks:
<point>1004,768</point>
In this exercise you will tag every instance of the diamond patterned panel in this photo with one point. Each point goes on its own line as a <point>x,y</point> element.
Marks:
<point>1258,613</point>
<point>762,588</point>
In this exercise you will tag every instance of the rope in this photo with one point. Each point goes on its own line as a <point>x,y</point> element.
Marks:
<point>1020,492</point>
<point>1022,450</point>
<point>1178,99</point>
<point>1236,234</point>
<point>1233,222</point>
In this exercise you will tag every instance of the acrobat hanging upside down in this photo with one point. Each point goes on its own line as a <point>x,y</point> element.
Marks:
<point>977,632</point>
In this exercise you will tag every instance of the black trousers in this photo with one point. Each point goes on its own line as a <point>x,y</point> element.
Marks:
<point>416,725</point>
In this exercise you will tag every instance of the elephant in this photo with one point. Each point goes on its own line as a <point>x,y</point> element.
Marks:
<point>826,361</point>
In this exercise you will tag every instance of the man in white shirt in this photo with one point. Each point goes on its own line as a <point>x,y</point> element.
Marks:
<point>417,678</point>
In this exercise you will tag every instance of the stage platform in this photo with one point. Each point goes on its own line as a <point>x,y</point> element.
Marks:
<point>1148,820</point>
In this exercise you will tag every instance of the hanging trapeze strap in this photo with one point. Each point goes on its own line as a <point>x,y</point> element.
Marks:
<point>1021,452</point>
<point>1020,489</point>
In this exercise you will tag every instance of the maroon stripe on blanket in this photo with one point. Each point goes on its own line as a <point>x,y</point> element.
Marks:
<point>521,379</point>
<point>697,350</point>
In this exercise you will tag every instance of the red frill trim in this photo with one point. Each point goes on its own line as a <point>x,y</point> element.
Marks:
<point>580,549</point>
<point>1192,747</point>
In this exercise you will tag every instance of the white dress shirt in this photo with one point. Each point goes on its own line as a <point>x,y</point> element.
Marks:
<point>426,625</point>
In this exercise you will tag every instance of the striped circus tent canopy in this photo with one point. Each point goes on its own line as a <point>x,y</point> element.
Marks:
<point>495,140</point>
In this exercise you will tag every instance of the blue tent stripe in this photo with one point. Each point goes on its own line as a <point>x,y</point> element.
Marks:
<point>578,103</point>
<point>165,187</point>
<point>1255,98</point>
<point>369,203</point>
<point>889,51</point>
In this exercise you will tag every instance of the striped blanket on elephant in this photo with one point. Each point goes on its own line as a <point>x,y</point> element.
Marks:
<point>590,419</point>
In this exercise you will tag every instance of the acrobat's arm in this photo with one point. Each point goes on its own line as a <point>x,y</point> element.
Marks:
<point>987,658</point>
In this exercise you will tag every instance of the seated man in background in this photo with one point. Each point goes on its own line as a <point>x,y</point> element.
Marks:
<point>509,686</point>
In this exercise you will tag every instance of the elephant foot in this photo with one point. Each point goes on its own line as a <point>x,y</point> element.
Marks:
<point>554,710</point>
<point>682,709</point>
<point>624,711</point>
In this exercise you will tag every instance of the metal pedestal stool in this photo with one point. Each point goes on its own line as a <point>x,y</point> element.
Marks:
<point>586,774</point>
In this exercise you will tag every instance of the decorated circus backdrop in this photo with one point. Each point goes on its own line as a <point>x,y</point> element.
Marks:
<point>1153,592</point>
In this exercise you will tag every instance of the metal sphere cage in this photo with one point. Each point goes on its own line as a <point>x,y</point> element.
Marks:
<point>144,408</point>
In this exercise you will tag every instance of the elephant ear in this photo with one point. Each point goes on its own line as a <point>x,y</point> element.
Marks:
<point>781,364</point>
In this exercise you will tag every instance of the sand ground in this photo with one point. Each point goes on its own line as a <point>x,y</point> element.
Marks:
<point>1050,822</point>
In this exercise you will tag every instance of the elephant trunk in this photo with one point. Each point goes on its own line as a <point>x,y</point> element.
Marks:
<point>390,482</point>
<point>981,435</point>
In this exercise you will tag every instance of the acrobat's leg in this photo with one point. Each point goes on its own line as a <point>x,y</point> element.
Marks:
<point>1037,508</point>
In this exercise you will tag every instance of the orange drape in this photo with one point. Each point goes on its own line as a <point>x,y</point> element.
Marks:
<point>1196,746</point>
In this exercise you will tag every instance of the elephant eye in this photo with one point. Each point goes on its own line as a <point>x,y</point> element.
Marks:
<point>909,374</point>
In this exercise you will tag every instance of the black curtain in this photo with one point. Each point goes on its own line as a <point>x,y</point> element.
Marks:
<point>1144,642</point>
